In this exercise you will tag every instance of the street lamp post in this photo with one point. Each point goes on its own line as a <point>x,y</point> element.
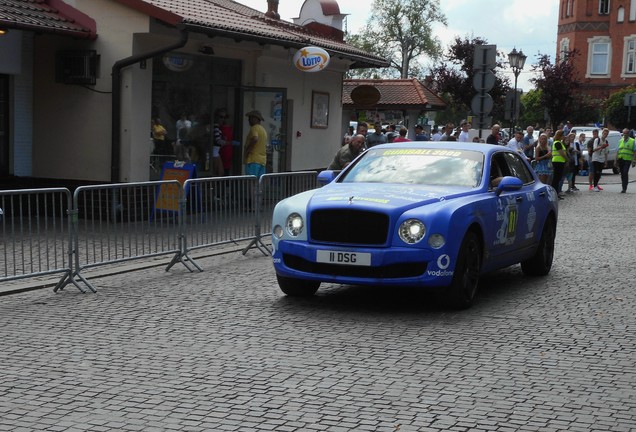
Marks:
<point>517,60</point>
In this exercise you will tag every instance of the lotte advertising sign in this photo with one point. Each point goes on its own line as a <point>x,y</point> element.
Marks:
<point>311,59</point>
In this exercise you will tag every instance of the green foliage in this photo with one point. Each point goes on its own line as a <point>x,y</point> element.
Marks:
<point>401,32</point>
<point>558,85</point>
<point>616,112</point>
<point>533,111</point>
<point>453,76</point>
<point>585,110</point>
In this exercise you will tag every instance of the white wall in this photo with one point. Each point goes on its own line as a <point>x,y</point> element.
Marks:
<point>315,147</point>
<point>73,123</point>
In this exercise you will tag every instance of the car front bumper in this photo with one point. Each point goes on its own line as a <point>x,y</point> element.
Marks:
<point>394,266</point>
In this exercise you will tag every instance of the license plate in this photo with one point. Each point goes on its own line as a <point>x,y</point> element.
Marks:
<point>340,257</point>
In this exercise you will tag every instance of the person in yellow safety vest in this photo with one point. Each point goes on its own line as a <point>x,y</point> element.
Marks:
<point>625,157</point>
<point>559,157</point>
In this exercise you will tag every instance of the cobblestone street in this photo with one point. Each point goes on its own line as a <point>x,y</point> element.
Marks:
<point>225,350</point>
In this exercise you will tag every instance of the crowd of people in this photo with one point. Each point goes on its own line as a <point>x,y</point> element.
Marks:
<point>209,142</point>
<point>557,157</point>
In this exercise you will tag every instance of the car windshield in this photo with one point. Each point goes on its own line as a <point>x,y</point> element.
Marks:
<point>418,166</point>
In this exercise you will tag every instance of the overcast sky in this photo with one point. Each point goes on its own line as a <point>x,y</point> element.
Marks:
<point>527,25</point>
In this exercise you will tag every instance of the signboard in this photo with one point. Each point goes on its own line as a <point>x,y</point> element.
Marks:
<point>168,194</point>
<point>177,62</point>
<point>485,56</point>
<point>311,59</point>
<point>365,96</point>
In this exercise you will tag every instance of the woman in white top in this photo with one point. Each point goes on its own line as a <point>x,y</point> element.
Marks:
<point>599,158</point>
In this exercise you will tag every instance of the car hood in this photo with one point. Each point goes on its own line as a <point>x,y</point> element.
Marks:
<point>382,196</point>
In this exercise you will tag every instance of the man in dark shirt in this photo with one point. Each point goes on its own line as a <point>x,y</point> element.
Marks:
<point>348,153</point>
<point>493,138</point>
<point>377,137</point>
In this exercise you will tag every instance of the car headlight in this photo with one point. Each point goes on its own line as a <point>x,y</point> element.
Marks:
<point>412,231</point>
<point>295,224</point>
<point>436,241</point>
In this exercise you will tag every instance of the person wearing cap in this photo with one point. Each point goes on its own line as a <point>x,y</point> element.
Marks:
<point>254,155</point>
<point>377,137</point>
<point>464,135</point>
<point>419,133</point>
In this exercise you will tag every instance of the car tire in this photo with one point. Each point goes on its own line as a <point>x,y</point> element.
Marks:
<point>541,263</point>
<point>297,287</point>
<point>616,169</point>
<point>465,284</point>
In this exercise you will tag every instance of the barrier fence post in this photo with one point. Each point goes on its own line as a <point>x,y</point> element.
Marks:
<point>258,206</point>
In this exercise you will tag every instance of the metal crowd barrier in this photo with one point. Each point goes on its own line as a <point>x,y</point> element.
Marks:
<point>46,231</point>
<point>272,189</point>
<point>217,211</point>
<point>121,222</point>
<point>36,234</point>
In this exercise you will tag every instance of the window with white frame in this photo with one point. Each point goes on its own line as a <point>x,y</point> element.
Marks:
<point>564,49</point>
<point>599,56</point>
<point>568,8</point>
<point>632,10</point>
<point>630,54</point>
<point>603,7</point>
<point>620,16</point>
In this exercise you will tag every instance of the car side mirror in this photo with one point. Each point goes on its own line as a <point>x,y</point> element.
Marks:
<point>509,184</point>
<point>327,176</point>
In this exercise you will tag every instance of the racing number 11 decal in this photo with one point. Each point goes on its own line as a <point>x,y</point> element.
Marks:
<point>513,216</point>
<point>508,215</point>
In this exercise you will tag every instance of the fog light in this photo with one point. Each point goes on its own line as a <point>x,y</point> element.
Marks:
<point>278,231</point>
<point>436,241</point>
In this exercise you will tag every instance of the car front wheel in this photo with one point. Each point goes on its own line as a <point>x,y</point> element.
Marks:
<point>297,287</point>
<point>463,288</point>
<point>541,263</point>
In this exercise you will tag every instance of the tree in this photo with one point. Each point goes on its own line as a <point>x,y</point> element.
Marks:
<point>558,85</point>
<point>585,110</point>
<point>533,112</point>
<point>401,32</point>
<point>616,111</point>
<point>454,77</point>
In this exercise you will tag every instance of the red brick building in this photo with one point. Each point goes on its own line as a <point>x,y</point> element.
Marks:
<point>604,33</point>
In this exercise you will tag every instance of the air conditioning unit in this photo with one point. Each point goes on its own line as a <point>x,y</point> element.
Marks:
<point>76,67</point>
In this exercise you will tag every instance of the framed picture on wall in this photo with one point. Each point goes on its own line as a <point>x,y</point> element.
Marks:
<point>319,110</point>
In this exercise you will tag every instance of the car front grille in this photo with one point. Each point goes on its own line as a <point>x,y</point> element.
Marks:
<point>348,226</point>
<point>401,270</point>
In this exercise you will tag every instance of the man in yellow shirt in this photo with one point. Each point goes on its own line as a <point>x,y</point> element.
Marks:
<point>254,155</point>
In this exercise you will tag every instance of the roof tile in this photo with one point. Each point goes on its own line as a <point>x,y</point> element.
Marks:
<point>394,94</point>
<point>42,16</point>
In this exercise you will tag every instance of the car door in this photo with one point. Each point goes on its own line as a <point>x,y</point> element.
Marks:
<point>525,229</point>
<point>502,235</point>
